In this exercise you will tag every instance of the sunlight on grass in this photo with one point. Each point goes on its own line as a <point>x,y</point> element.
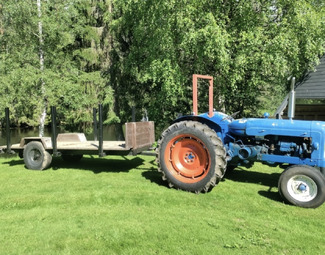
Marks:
<point>120,205</point>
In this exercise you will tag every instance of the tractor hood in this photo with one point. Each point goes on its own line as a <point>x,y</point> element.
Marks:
<point>263,127</point>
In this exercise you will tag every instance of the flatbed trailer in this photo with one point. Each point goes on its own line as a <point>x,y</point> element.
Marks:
<point>37,152</point>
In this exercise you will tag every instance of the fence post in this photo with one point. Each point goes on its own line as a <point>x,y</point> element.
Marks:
<point>95,124</point>
<point>54,132</point>
<point>133,113</point>
<point>100,135</point>
<point>8,130</point>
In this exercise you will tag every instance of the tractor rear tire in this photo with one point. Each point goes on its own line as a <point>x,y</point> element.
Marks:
<point>191,156</point>
<point>36,157</point>
<point>302,186</point>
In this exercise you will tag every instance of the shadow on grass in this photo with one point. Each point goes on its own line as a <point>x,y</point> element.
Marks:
<point>125,164</point>
<point>154,177</point>
<point>94,164</point>
<point>265,179</point>
<point>99,165</point>
<point>238,175</point>
<point>14,162</point>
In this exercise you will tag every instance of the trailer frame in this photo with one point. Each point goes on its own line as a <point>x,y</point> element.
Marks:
<point>139,136</point>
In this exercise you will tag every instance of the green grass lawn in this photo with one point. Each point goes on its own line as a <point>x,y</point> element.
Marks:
<point>118,205</point>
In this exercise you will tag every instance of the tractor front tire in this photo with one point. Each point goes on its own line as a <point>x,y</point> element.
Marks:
<point>191,156</point>
<point>302,186</point>
<point>36,157</point>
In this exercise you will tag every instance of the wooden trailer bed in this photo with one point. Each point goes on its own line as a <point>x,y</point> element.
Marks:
<point>37,151</point>
<point>139,136</point>
<point>75,146</point>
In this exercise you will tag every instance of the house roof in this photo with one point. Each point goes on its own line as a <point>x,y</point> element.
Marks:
<point>313,84</point>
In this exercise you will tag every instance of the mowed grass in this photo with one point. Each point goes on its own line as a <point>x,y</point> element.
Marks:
<point>120,205</point>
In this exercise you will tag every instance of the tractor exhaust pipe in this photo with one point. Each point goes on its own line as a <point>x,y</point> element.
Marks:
<point>292,100</point>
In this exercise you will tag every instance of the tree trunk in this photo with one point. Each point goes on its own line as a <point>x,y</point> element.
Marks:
<point>41,60</point>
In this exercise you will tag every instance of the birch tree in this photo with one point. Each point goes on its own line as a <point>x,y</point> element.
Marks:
<point>54,53</point>
<point>41,61</point>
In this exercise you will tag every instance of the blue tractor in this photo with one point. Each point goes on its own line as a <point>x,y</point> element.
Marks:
<point>194,153</point>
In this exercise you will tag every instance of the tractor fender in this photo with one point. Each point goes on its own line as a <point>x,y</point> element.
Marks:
<point>215,124</point>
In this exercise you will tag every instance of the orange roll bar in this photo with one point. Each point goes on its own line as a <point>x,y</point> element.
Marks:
<point>195,103</point>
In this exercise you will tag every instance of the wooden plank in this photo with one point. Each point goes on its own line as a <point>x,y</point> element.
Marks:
<point>144,134</point>
<point>71,137</point>
<point>92,145</point>
<point>139,134</point>
<point>83,146</point>
<point>130,128</point>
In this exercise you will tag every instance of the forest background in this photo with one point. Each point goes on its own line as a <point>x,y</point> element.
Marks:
<point>75,54</point>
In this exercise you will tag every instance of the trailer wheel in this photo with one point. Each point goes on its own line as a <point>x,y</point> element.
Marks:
<point>303,186</point>
<point>21,154</point>
<point>36,157</point>
<point>191,156</point>
<point>72,158</point>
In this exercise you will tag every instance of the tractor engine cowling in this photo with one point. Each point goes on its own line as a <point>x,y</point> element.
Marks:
<point>273,140</point>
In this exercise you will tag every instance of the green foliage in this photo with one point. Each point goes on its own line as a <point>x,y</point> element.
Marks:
<point>143,54</point>
<point>159,51</point>
<point>72,73</point>
<point>250,47</point>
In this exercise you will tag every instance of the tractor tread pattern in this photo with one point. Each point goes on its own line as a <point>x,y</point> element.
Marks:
<point>219,150</point>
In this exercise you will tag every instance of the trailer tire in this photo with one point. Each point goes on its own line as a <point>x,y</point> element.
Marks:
<point>302,186</point>
<point>72,158</point>
<point>191,156</point>
<point>36,157</point>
